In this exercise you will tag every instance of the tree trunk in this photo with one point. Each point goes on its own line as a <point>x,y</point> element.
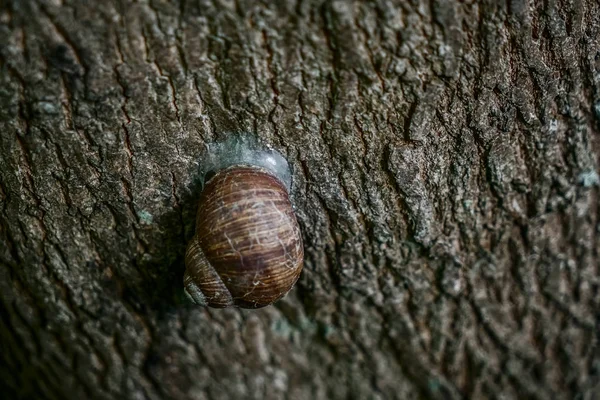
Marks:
<point>445,177</point>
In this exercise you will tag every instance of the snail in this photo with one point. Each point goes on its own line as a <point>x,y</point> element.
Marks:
<point>247,250</point>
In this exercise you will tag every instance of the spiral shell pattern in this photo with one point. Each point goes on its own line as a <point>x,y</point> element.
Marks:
<point>247,251</point>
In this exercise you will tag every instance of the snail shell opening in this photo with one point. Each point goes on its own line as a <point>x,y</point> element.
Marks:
<point>244,149</point>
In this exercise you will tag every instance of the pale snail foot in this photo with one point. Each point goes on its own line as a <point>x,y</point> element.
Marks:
<point>194,294</point>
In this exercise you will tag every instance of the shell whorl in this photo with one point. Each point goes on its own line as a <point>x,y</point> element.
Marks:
<point>198,269</point>
<point>247,250</point>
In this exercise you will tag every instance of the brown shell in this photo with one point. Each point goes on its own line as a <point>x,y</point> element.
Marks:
<point>248,250</point>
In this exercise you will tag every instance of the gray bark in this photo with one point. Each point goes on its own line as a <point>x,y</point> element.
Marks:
<point>445,167</point>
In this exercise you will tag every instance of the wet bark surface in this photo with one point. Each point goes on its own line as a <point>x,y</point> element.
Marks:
<point>445,177</point>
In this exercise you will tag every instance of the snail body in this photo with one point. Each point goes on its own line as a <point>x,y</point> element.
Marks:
<point>247,251</point>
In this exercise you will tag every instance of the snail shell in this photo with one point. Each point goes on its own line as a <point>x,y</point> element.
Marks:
<point>247,251</point>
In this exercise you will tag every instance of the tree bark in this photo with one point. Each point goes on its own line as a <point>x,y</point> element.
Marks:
<point>445,177</point>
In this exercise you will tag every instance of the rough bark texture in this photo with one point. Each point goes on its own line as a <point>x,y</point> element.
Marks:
<point>445,168</point>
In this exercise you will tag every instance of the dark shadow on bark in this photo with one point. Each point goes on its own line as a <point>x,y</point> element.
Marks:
<point>161,286</point>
